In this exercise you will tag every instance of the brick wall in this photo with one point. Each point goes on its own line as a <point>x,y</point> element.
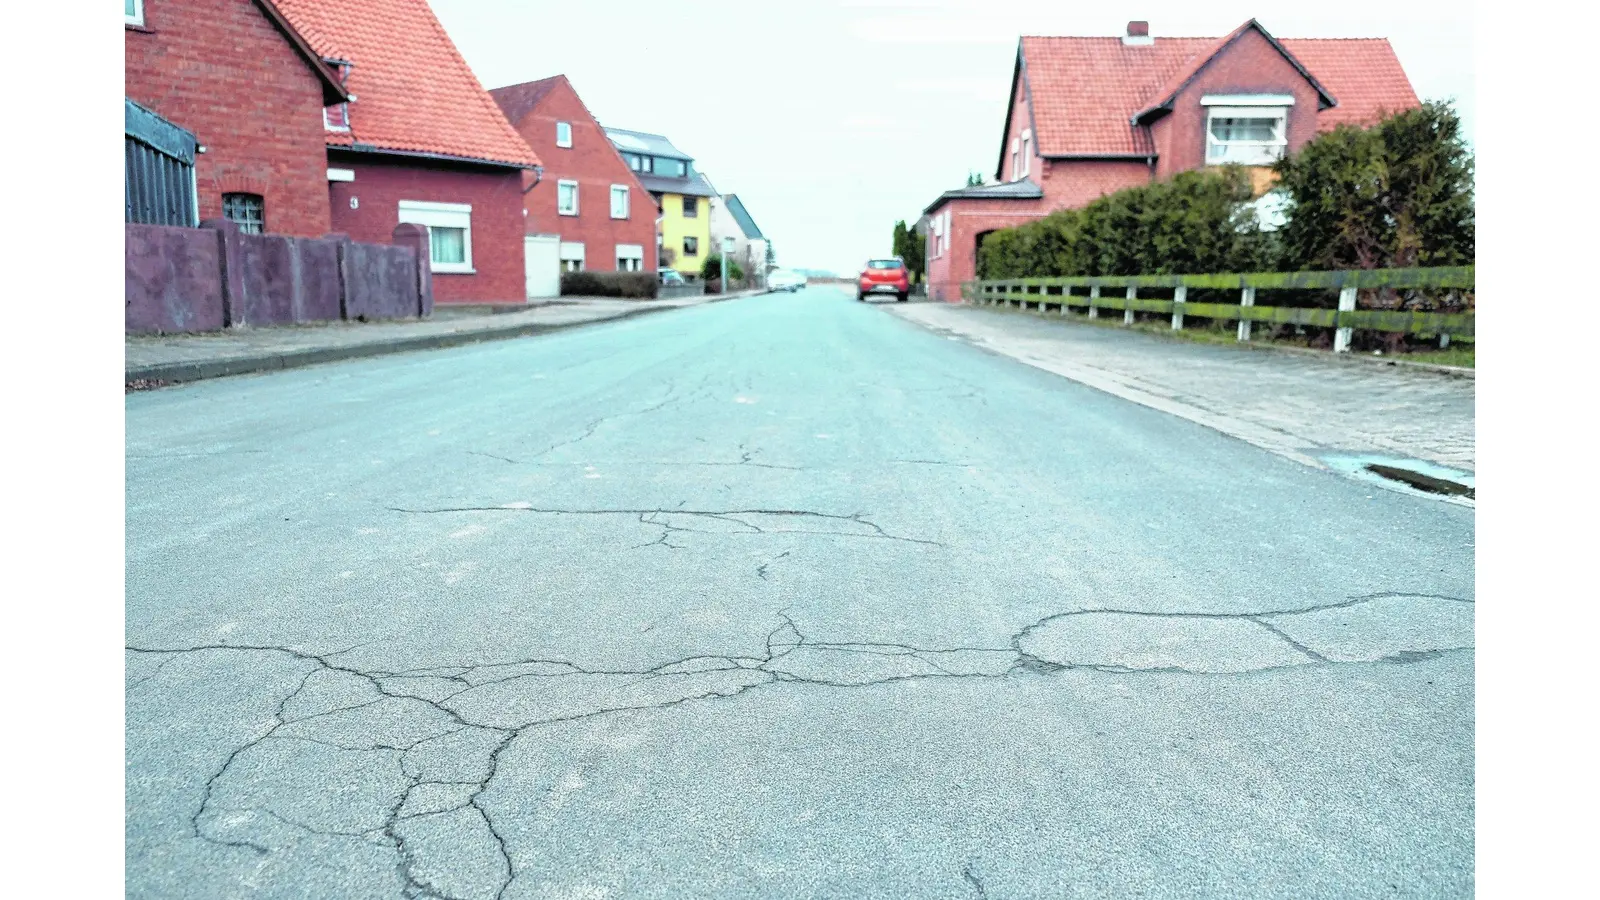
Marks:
<point>1250,66</point>
<point>593,162</point>
<point>495,195</point>
<point>968,219</point>
<point>222,70</point>
<point>1074,183</point>
<point>1020,121</point>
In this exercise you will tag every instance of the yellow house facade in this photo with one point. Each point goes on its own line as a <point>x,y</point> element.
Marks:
<point>684,230</point>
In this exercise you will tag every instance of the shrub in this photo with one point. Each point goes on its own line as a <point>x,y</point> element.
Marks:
<point>712,268</point>
<point>1196,222</point>
<point>633,285</point>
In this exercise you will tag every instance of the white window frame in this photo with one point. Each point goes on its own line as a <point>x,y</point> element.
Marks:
<point>1247,106</point>
<point>1014,157</point>
<point>567,183</point>
<point>442,215</point>
<point>620,190</point>
<point>946,233</point>
<point>137,16</point>
<point>328,125</point>
<point>572,251</point>
<point>1027,138</point>
<point>633,253</point>
<point>565,127</point>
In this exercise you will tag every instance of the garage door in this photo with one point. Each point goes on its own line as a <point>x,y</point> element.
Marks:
<point>542,255</point>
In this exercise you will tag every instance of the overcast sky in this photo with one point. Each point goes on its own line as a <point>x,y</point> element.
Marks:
<point>833,118</point>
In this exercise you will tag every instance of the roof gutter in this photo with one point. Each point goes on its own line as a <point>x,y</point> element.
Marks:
<point>441,157</point>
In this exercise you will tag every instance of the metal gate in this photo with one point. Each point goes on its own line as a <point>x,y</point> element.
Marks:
<point>159,184</point>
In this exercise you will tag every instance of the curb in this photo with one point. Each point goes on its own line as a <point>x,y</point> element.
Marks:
<point>1451,371</point>
<point>199,370</point>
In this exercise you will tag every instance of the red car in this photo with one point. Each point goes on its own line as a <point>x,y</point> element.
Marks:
<point>884,276</point>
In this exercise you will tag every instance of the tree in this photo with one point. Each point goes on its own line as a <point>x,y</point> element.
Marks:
<point>974,178</point>
<point>1397,194</point>
<point>908,246</point>
<point>772,257</point>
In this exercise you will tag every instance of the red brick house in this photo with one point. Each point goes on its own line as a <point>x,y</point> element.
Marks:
<point>252,90</point>
<point>419,141</point>
<point>589,211</point>
<point>1089,115</point>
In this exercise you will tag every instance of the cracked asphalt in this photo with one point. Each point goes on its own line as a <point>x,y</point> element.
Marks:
<point>780,597</point>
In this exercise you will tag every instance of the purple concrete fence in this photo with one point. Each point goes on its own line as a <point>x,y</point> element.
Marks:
<point>213,277</point>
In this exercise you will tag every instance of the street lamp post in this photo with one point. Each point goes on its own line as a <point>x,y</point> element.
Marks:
<point>727,247</point>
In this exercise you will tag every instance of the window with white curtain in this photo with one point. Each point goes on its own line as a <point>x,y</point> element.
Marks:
<point>619,201</point>
<point>567,198</point>
<point>449,232</point>
<point>1247,129</point>
<point>563,134</point>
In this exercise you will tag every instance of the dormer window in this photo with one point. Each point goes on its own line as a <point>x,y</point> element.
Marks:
<point>1247,130</point>
<point>337,116</point>
<point>683,169</point>
<point>563,134</point>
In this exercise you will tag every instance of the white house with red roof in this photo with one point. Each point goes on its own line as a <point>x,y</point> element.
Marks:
<point>1091,115</point>
<point>420,141</point>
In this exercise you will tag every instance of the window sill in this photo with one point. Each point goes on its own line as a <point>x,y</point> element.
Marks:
<point>573,214</point>
<point>453,269</point>
<point>139,27</point>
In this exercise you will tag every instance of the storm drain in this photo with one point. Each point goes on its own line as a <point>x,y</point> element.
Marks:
<point>1422,482</point>
<point>1411,476</point>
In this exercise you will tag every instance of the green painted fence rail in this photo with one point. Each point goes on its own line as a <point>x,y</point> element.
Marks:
<point>1046,292</point>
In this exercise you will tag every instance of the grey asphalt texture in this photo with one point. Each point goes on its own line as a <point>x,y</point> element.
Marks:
<point>779,597</point>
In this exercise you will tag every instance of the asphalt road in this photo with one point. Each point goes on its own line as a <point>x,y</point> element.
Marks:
<point>780,597</point>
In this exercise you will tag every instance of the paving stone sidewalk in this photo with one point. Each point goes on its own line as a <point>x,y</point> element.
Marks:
<point>187,357</point>
<point>1302,406</point>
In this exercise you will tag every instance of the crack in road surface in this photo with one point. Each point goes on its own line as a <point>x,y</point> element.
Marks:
<point>741,518</point>
<point>431,739</point>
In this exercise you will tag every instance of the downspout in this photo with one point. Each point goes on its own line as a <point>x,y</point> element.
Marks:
<point>538,176</point>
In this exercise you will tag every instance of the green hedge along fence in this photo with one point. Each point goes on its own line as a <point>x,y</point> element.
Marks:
<point>1059,292</point>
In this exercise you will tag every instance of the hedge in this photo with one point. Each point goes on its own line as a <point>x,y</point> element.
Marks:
<point>633,285</point>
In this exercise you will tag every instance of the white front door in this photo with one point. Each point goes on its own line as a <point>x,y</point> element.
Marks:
<point>542,261</point>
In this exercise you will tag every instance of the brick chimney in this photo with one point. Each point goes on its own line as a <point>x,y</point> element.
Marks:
<point>1138,35</point>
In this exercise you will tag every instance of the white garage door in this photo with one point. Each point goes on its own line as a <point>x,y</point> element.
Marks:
<point>542,255</point>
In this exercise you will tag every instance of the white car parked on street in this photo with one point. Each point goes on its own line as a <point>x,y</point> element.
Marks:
<point>784,280</point>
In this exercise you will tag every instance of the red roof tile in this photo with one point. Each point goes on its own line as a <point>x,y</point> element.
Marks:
<point>1085,90</point>
<point>1164,95</point>
<point>517,100</point>
<point>1363,74</point>
<point>414,93</point>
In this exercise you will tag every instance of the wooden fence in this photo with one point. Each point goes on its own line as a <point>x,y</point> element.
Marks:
<point>1059,292</point>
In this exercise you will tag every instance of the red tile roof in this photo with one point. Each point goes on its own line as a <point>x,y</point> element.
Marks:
<point>1084,91</point>
<point>414,93</point>
<point>1164,95</point>
<point>517,100</point>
